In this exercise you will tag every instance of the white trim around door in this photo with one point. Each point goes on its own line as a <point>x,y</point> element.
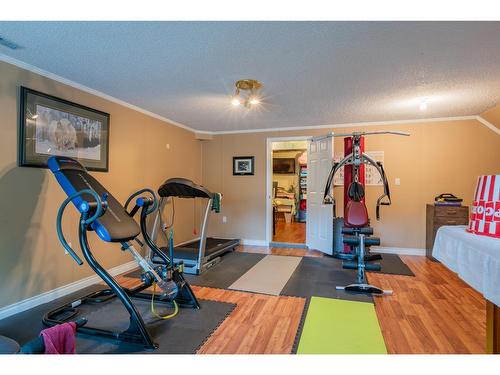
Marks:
<point>269,179</point>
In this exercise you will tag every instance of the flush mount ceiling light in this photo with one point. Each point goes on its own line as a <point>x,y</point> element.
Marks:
<point>247,93</point>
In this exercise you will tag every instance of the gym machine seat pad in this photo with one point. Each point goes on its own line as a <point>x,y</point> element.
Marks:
<point>356,214</point>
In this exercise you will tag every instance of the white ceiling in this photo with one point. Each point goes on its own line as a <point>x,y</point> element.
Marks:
<point>314,73</point>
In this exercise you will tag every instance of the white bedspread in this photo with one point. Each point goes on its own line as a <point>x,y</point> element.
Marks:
<point>476,259</point>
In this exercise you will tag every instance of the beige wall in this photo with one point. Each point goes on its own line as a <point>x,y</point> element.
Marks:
<point>438,157</point>
<point>492,115</point>
<point>31,259</point>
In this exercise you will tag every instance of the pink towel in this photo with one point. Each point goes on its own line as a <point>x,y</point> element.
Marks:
<point>60,339</point>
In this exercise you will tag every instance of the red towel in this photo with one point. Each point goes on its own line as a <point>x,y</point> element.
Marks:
<point>60,339</point>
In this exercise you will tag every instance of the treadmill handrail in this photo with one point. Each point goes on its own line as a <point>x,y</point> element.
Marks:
<point>156,225</point>
<point>203,235</point>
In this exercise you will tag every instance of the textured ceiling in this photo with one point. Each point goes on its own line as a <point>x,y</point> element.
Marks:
<point>314,73</point>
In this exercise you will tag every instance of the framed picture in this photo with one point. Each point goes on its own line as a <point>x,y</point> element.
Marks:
<point>52,126</point>
<point>243,166</point>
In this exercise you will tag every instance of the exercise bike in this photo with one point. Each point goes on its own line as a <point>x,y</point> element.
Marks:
<point>102,213</point>
<point>352,233</point>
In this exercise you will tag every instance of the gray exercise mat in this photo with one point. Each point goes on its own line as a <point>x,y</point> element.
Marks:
<point>223,274</point>
<point>392,264</point>
<point>183,334</point>
<point>318,277</point>
<point>269,276</point>
<point>231,268</point>
<point>26,325</point>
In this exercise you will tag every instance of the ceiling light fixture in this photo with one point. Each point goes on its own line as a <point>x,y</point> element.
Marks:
<point>254,100</point>
<point>247,93</point>
<point>235,101</point>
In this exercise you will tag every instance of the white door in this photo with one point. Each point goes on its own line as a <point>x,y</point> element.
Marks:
<point>319,223</point>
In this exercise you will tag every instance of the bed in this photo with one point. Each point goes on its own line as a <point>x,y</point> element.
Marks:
<point>476,260</point>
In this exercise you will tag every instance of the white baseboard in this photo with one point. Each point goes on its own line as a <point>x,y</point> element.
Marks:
<point>398,250</point>
<point>375,249</point>
<point>61,291</point>
<point>254,242</point>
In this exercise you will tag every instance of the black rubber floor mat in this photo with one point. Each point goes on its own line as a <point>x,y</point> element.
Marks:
<point>319,277</point>
<point>300,327</point>
<point>184,334</point>
<point>392,264</point>
<point>231,267</point>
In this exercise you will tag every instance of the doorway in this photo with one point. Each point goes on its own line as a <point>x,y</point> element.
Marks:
<point>287,191</point>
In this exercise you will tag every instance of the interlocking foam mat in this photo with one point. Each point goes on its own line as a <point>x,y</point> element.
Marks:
<point>231,267</point>
<point>319,277</point>
<point>184,334</point>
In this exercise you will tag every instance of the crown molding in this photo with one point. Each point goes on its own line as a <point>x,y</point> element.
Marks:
<point>68,82</point>
<point>76,85</point>
<point>349,125</point>
<point>488,124</point>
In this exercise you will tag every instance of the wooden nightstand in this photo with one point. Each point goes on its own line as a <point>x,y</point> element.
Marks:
<point>437,216</point>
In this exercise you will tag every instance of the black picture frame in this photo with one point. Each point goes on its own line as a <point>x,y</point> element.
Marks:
<point>49,126</point>
<point>243,165</point>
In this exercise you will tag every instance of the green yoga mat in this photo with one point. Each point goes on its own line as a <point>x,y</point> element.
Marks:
<point>334,326</point>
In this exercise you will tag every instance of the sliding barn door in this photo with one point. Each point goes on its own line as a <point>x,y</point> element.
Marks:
<point>319,227</point>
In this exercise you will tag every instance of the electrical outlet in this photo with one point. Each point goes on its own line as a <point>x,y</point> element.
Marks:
<point>397,181</point>
<point>224,219</point>
<point>167,146</point>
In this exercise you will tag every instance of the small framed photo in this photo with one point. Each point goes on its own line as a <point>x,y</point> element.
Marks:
<point>243,166</point>
<point>53,126</point>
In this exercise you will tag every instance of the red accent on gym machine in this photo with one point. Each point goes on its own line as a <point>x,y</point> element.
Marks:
<point>359,211</point>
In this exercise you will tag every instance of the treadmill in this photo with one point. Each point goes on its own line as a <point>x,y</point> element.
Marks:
<point>201,254</point>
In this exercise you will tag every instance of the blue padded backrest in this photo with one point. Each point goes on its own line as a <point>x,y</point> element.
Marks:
<point>115,225</point>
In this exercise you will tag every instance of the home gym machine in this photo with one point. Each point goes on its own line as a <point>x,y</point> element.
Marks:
<point>203,253</point>
<point>102,213</point>
<point>352,233</point>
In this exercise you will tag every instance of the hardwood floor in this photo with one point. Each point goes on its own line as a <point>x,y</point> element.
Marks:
<point>433,312</point>
<point>293,232</point>
<point>260,324</point>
